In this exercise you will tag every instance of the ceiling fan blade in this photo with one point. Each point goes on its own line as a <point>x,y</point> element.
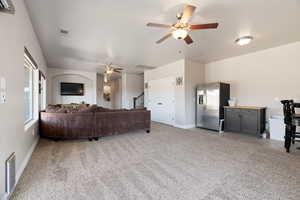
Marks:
<point>164,38</point>
<point>187,14</point>
<point>188,39</point>
<point>204,26</point>
<point>118,68</point>
<point>159,25</point>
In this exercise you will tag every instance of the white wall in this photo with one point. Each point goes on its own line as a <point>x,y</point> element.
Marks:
<point>261,78</point>
<point>175,69</point>
<point>194,75</point>
<point>132,86</point>
<point>16,32</point>
<point>116,93</point>
<point>56,76</point>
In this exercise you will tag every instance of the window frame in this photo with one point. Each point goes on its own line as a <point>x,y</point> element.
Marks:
<point>30,64</point>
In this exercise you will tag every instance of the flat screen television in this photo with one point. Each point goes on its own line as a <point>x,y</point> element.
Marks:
<point>71,89</point>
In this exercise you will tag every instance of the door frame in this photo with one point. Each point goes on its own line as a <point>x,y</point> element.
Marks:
<point>173,113</point>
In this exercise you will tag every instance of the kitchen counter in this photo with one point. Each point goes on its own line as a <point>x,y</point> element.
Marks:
<point>246,107</point>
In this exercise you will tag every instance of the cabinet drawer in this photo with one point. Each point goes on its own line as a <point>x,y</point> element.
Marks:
<point>249,112</point>
<point>232,110</point>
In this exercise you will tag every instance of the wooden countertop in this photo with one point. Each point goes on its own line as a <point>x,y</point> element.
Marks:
<point>246,107</point>
<point>296,115</point>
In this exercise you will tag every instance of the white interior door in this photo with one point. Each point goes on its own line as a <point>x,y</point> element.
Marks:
<point>161,100</point>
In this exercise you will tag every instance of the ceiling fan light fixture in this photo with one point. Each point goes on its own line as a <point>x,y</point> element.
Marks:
<point>242,41</point>
<point>105,78</point>
<point>110,71</point>
<point>180,34</point>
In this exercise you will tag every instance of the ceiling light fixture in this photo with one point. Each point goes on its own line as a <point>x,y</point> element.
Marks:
<point>180,34</point>
<point>244,40</point>
<point>109,71</point>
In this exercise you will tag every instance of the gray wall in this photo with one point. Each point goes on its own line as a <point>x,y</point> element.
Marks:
<point>16,32</point>
<point>116,95</point>
<point>132,86</point>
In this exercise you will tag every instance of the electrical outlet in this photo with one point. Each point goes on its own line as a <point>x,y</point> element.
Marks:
<point>2,90</point>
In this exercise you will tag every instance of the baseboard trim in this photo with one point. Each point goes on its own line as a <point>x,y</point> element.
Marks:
<point>23,166</point>
<point>185,126</point>
<point>26,160</point>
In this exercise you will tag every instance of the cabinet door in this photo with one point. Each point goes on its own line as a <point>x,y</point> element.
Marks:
<point>232,120</point>
<point>249,121</point>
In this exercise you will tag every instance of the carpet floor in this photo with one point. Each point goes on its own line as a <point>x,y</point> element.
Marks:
<point>167,164</point>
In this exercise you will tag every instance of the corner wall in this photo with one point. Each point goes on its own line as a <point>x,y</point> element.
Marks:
<point>16,32</point>
<point>132,86</point>
<point>172,70</point>
<point>116,93</point>
<point>194,75</point>
<point>262,78</point>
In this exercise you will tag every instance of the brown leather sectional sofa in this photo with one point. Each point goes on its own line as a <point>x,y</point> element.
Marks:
<point>92,123</point>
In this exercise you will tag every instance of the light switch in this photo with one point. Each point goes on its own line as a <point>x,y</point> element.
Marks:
<point>2,90</point>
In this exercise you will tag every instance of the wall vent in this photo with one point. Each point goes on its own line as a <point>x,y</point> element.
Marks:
<point>64,31</point>
<point>7,6</point>
<point>10,175</point>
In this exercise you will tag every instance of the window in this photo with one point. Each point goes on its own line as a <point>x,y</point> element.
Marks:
<point>42,91</point>
<point>29,69</point>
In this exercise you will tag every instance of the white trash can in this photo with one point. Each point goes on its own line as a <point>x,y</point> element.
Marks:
<point>277,127</point>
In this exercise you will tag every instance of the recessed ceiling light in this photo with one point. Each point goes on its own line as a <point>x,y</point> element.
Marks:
<point>244,40</point>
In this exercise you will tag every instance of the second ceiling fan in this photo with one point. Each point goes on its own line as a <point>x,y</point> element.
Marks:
<point>109,70</point>
<point>181,28</point>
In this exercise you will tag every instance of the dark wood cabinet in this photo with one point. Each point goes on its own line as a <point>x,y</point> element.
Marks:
<point>249,120</point>
<point>232,122</point>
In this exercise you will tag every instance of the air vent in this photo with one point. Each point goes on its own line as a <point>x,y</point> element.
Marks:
<point>145,67</point>
<point>64,31</point>
<point>7,6</point>
<point>10,175</point>
<point>4,4</point>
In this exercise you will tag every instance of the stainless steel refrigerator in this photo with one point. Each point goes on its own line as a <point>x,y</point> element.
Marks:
<point>211,99</point>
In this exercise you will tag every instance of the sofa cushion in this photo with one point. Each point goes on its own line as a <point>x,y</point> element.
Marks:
<point>92,108</point>
<point>57,110</point>
<point>73,105</point>
<point>52,108</point>
<point>101,109</point>
<point>71,109</point>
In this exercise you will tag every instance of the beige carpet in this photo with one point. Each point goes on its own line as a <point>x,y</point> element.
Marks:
<point>168,164</point>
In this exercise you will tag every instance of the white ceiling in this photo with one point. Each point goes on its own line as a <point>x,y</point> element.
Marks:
<point>103,31</point>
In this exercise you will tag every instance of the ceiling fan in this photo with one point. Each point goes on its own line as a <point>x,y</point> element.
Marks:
<point>109,69</point>
<point>181,28</point>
